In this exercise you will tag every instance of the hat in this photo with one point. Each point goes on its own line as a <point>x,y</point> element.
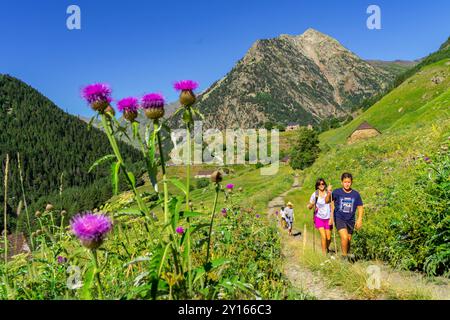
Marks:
<point>290,204</point>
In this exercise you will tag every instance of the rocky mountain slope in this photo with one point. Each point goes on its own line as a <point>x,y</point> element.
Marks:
<point>301,79</point>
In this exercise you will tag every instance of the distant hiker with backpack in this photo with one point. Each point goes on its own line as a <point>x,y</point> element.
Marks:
<point>323,220</point>
<point>346,202</point>
<point>283,222</point>
<point>289,216</point>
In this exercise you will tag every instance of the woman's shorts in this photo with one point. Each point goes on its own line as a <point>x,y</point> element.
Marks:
<point>322,223</point>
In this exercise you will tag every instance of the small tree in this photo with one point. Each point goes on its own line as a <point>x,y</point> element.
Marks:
<point>306,149</point>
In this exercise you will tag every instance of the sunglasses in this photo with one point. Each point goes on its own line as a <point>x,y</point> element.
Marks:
<point>321,184</point>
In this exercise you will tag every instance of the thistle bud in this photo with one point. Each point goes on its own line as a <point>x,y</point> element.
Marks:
<point>216,177</point>
<point>154,113</point>
<point>187,98</point>
<point>63,213</point>
<point>110,111</point>
<point>49,207</point>
<point>38,214</point>
<point>130,115</point>
<point>100,106</point>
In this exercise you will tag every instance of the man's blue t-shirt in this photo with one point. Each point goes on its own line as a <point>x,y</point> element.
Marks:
<point>345,204</point>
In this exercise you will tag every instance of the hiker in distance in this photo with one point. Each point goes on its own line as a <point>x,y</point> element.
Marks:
<point>323,220</point>
<point>289,211</point>
<point>346,202</point>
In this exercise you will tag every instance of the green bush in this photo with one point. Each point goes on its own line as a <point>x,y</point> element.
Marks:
<point>202,183</point>
<point>306,149</point>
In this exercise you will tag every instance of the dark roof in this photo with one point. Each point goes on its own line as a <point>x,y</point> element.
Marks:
<point>292,124</point>
<point>365,126</point>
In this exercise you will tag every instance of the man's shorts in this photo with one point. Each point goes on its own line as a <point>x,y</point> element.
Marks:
<point>344,224</point>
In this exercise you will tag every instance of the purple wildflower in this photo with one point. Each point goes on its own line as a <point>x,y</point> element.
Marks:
<point>98,92</point>
<point>427,159</point>
<point>153,100</point>
<point>224,212</point>
<point>91,229</point>
<point>180,230</point>
<point>276,212</point>
<point>129,104</point>
<point>258,216</point>
<point>185,85</point>
<point>62,259</point>
<point>230,186</point>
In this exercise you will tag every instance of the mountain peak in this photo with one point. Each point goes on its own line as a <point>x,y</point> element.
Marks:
<point>313,32</point>
<point>306,78</point>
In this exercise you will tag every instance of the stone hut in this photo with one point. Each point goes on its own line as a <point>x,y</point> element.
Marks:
<point>364,131</point>
<point>292,126</point>
<point>17,244</point>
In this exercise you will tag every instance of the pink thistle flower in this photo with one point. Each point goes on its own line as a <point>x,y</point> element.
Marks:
<point>185,85</point>
<point>97,92</point>
<point>129,104</point>
<point>91,229</point>
<point>180,230</point>
<point>153,105</point>
<point>258,216</point>
<point>230,186</point>
<point>152,100</point>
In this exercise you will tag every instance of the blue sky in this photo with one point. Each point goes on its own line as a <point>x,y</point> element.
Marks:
<point>141,46</point>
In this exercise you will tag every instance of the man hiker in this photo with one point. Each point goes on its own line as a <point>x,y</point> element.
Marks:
<point>346,202</point>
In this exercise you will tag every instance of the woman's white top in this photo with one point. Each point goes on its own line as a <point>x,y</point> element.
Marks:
<point>322,210</point>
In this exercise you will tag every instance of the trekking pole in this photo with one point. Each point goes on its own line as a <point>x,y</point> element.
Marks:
<point>304,238</point>
<point>334,229</point>
<point>314,238</point>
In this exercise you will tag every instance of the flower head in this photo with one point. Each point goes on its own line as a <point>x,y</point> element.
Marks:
<point>230,186</point>
<point>185,85</point>
<point>258,216</point>
<point>62,259</point>
<point>224,212</point>
<point>153,105</point>
<point>98,95</point>
<point>152,100</point>
<point>180,230</point>
<point>91,229</point>
<point>187,96</point>
<point>129,104</point>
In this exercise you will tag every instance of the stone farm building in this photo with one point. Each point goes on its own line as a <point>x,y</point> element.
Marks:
<point>203,174</point>
<point>364,131</point>
<point>292,126</point>
<point>17,244</point>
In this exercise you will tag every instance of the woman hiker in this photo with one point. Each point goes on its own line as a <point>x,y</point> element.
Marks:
<point>289,211</point>
<point>346,203</point>
<point>323,221</point>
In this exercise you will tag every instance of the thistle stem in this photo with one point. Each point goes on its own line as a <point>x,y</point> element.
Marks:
<point>97,274</point>
<point>163,167</point>
<point>211,222</point>
<point>115,147</point>
<point>188,173</point>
